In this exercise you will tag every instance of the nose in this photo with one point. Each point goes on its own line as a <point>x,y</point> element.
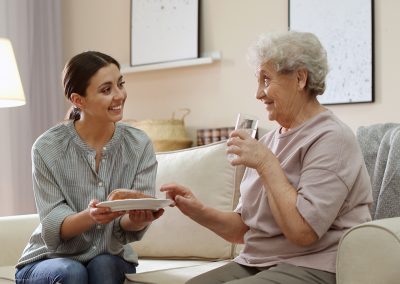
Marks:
<point>260,92</point>
<point>120,94</point>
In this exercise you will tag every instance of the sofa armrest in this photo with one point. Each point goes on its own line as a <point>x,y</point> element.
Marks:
<point>370,253</point>
<point>14,235</point>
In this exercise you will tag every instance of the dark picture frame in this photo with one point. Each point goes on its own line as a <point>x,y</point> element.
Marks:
<point>164,31</point>
<point>346,29</point>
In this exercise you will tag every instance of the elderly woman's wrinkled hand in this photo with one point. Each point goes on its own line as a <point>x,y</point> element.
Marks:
<point>184,199</point>
<point>248,150</point>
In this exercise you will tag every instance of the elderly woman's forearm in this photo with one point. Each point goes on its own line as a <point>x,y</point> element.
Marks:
<point>282,198</point>
<point>228,225</point>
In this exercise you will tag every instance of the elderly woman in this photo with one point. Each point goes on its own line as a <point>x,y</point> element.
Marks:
<point>305,183</point>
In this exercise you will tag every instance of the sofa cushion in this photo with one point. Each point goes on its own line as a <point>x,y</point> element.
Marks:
<point>177,274</point>
<point>207,172</point>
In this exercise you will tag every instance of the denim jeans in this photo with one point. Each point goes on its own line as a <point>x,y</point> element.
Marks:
<point>104,268</point>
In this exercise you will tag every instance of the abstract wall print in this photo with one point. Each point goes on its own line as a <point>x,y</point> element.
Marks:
<point>345,28</point>
<point>163,30</point>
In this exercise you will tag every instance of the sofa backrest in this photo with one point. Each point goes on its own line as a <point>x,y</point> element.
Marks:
<point>207,172</point>
<point>380,145</point>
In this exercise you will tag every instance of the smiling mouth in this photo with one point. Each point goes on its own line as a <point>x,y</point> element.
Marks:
<point>116,107</point>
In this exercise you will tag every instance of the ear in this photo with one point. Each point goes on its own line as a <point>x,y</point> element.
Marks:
<point>302,76</point>
<point>77,100</point>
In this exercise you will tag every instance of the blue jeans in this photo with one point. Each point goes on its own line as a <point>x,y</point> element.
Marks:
<point>104,268</point>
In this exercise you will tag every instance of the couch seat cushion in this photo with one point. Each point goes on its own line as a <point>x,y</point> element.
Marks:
<point>185,270</point>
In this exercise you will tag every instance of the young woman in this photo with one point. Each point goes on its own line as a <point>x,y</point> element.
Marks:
<point>79,163</point>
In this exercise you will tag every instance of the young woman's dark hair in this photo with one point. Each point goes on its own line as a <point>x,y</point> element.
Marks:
<point>78,71</point>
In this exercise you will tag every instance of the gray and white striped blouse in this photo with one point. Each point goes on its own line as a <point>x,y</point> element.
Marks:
<point>65,180</point>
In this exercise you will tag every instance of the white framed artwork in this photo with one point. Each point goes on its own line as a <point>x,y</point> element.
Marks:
<point>164,31</point>
<point>345,29</point>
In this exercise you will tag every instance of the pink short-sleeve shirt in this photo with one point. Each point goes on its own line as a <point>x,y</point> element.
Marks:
<point>322,160</point>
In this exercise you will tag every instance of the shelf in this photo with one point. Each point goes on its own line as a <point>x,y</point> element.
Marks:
<point>205,59</point>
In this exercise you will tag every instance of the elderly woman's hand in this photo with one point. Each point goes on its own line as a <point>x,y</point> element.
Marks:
<point>184,199</point>
<point>248,150</point>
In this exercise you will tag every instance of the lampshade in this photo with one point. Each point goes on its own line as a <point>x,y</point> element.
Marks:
<point>11,91</point>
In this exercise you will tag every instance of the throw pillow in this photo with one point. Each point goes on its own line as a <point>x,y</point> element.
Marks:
<point>207,172</point>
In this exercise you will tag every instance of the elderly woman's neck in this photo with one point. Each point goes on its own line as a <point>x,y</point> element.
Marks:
<point>305,112</point>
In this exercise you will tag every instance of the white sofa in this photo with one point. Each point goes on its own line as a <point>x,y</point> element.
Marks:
<point>175,248</point>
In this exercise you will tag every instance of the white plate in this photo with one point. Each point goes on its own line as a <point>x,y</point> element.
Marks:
<point>136,204</point>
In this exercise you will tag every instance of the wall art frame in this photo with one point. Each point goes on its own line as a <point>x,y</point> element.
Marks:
<point>164,31</point>
<point>346,30</point>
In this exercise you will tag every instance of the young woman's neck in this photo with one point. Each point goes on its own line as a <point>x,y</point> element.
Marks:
<point>95,135</point>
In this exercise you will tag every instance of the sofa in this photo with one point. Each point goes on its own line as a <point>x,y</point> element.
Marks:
<point>175,248</point>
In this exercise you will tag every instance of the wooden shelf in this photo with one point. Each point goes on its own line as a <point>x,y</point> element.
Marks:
<point>205,59</point>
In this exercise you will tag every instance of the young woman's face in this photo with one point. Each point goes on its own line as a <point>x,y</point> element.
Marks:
<point>105,95</point>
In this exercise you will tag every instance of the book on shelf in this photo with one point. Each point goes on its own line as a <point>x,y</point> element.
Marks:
<point>210,135</point>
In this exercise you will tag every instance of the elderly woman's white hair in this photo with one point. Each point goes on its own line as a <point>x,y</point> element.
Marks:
<point>290,51</point>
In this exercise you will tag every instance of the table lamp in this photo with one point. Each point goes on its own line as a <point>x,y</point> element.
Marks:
<point>11,91</point>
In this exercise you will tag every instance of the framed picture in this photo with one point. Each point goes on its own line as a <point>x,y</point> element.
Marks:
<point>164,31</point>
<point>345,28</point>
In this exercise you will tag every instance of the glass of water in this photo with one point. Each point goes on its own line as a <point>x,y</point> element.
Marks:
<point>246,122</point>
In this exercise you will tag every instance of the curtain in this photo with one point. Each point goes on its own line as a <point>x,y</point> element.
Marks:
<point>34,29</point>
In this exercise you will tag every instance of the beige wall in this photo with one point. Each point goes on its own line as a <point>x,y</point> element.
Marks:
<point>215,93</point>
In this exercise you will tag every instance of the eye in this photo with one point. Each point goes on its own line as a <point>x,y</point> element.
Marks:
<point>266,81</point>
<point>121,84</point>
<point>106,90</point>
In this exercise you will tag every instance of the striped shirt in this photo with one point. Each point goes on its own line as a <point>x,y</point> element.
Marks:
<point>65,180</point>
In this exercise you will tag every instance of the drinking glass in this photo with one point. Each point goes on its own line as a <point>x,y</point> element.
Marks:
<point>246,122</point>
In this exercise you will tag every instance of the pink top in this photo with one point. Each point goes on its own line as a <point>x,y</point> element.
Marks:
<point>323,161</point>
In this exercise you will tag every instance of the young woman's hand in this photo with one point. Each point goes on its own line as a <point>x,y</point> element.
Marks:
<point>136,220</point>
<point>144,217</point>
<point>102,215</point>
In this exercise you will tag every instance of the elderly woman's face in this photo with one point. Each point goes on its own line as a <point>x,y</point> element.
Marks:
<point>279,93</point>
